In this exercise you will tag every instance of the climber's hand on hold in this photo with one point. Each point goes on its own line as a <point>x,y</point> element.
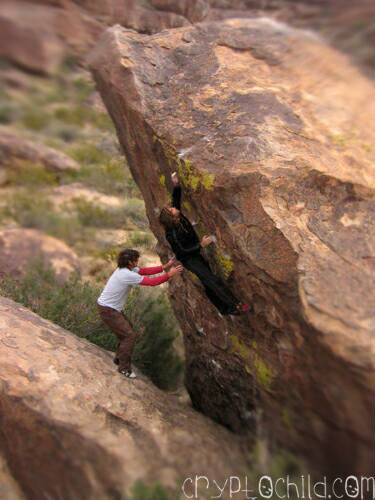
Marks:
<point>206,240</point>
<point>175,271</point>
<point>169,264</point>
<point>175,179</point>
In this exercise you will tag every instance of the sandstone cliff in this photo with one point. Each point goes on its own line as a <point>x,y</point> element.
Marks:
<point>271,133</point>
<point>71,427</point>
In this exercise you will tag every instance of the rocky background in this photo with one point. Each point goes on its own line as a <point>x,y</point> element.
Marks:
<point>270,128</point>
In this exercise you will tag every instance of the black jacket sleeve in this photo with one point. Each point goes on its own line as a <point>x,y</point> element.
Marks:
<point>176,197</point>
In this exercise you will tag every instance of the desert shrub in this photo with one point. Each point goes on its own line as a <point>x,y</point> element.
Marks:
<point>135,211</point>
<point>83,88</point>
<point>90,214</point>
<point>66,133</point>
<point>27,173</point>
<point>88,154</point>
<point>141,491</point>
<point>33,210</point>
<point>70,63</point>
<point>151,315</point>
<point>82,114</point>
<point>73,307</point>
<point>103,172</point>
<point>7,114</point>
<point>140,239</point>
<point>35,118</point>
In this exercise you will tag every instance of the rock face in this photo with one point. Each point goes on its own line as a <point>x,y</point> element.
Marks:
<point>8,487</point>
<point>194,10</point>
<point>266,126</point>
<point>38,34</point>
<point>72,427</point>
<point>19,247</point>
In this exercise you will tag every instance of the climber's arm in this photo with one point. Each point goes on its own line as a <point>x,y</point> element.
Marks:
<point>176,197</point>
<point>177,192</point>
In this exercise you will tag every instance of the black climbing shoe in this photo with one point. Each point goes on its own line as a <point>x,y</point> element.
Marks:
<point>116,360</point>
<point>241,309</point>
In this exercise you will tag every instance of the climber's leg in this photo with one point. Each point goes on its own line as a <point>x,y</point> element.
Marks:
<point>220,305</point>
<point>219,293</point>
<point>127,337</point>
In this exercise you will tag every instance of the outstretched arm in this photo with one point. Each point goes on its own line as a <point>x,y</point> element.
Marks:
<point>155,281</point>
<point>176,197</point>
<point>158,280</point>
<point>147,271</point>
<point>177,192</point>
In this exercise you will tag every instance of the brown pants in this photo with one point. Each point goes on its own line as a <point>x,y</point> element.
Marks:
<point>121,327</point>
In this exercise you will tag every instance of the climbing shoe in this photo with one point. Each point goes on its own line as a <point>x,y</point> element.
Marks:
<point>241,309</point>
<point>116,360</point>
<point>128,373</point>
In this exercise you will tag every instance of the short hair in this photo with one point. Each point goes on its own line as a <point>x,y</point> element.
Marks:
<point>126,256</point>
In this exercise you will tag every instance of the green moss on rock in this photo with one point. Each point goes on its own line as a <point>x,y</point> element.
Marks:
<point>263,373</point>
<point>225,263</point>
<point>162,180</point>
<point>189,176</point>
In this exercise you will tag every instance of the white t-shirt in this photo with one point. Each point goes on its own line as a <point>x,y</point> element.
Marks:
<point>116,290</point>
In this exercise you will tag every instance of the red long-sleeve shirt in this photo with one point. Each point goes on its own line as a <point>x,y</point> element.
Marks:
<point>154,281</point>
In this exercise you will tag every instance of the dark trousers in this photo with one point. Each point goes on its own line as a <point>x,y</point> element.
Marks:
<point>121,327</point>
<point>216,290</point>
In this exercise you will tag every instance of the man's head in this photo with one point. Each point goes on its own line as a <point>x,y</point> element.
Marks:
<point>128,258</point>
<point>169,217</point>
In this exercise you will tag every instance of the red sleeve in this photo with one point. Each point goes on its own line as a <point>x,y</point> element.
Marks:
<point>145,271</point>
<point>157,280</point>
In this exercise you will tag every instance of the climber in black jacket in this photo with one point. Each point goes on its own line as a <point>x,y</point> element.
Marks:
<point>186,246</point>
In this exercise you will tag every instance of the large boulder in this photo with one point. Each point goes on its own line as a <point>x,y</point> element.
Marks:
<point>16,150</point>
<point>20,247</point>
<point>72,427</point>
<point>271,132</point>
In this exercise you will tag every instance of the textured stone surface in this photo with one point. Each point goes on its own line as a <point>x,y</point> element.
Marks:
<point>72,427</point>
<point>15,148</point>
<point>19,247</point>
<point>28,38</point>
<point>267,128</point>
<point>193,10</point>
<point>349,25</point>
<point>9,489</point>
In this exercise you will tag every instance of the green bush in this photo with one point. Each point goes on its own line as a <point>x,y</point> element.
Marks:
<point>7,114</point>
<point>150,313</point>
<point>141,491</point>
<point>139,239</point>
<point>27,173</point>
<point>89,154</point>
<point>135,211</point>
<point>35,118</point>
<point>93,215</point>
<point>73,307</point>
<point>102,172</point>
<point>32,210</point>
